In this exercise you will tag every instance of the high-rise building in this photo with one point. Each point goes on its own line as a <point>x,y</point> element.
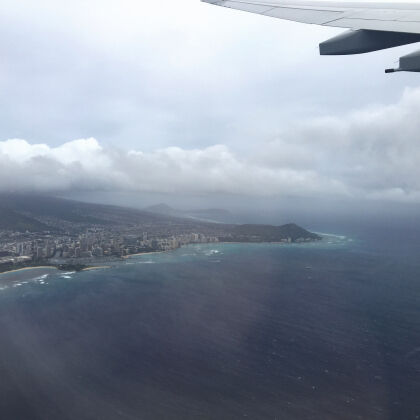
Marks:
<point>39,253</point>
<point>98,252</point>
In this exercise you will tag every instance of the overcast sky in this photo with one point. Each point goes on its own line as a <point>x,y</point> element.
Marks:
<point>184,97</point>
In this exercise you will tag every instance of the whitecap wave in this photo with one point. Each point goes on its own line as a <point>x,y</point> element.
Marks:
<point>332,235</point>
<point>213,252</point>
<point>41,278</point>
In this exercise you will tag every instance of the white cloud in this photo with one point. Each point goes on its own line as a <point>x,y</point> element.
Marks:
<point>372,153</point>
<point>85,165</point>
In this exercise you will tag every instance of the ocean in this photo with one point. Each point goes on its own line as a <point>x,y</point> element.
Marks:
<point>322,331</point>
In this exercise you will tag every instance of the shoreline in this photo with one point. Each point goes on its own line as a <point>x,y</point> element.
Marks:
<point>270,243</point>
<point>126,257</point>
<point>46,267</point>
<point>103,267</point>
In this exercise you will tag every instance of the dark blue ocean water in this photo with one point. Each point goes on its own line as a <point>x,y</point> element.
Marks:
<point>318,331</point>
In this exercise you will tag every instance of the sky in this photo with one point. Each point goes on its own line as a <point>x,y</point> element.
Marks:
<point>185,98</point>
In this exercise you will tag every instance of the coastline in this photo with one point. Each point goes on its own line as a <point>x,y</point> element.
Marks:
<point>29,268</point>
<point>126,257</point>
<point>104,267</point>
<point>268,243</point>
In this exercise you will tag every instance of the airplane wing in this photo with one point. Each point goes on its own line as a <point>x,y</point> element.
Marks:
<point>373,26</point>
<point>393,17</point>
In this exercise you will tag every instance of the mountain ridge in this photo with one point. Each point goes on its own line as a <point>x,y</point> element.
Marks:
<point>34,213</point>
<point>206,215</point>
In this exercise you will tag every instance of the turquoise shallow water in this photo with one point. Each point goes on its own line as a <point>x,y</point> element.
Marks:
<point>203,252</point>
<point>328,330</point>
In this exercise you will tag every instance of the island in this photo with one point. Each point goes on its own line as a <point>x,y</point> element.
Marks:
<point>74,236</point>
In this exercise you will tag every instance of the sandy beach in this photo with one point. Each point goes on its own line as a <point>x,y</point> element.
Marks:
<point>29,268</point>
<point>143,253</point>
<point>97,268</point>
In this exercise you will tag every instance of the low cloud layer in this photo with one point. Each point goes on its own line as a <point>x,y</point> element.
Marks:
<point>372,153</point>
<point>86,165</point>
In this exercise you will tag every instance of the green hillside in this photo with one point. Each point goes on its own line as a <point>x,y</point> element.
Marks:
<point>11,220</point>
<point>268,233</point>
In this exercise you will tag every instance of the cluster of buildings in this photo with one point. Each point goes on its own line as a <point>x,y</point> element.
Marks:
<point>92,244</point>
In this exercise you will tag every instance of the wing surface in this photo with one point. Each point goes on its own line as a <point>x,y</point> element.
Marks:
<point>390,17</point>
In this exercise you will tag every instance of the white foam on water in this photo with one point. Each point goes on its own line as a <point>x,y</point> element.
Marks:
<point>333,235</point>
<point>41,278</point>
<point>212,252</point>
